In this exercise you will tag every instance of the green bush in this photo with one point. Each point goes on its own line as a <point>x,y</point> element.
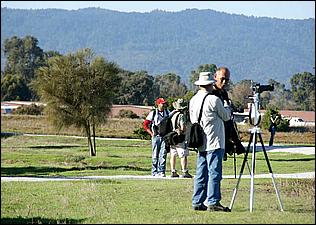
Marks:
<point>32,109</point>
<point>282,124</point>
<point>142,134</point>
<point>126,113</point>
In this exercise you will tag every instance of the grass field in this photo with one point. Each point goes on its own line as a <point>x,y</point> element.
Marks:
<point>151,201</point>
<point>138,201</point>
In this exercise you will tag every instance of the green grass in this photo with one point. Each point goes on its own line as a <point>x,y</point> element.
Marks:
<point>138,201</point>
<point>151,201</point>
<point>68,156</point>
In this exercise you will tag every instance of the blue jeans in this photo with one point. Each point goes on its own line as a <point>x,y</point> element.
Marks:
<point>207,181</point>
<point>159,155</point>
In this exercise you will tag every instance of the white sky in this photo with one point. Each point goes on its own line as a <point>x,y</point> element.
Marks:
<point>277,9</point>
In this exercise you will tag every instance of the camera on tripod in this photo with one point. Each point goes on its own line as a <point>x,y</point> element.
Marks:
<point>254,114</point>
<point>257,88</point>
<point>254,118</point>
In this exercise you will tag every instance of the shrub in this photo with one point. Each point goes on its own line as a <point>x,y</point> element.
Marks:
<point>282,124</point>
<point>142,134</point>
<point>32,109</point>
<point>124,113</point>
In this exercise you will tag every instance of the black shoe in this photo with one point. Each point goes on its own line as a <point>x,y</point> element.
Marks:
<point>174,174</point>
<point>225,157</point>
<point>218,207</point>
<point>200,207</point>
<point>186,175</point>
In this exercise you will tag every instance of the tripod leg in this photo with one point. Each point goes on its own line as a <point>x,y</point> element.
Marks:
<point>248,147</point>
<point>241,171</point>
<point>270,171</point>
<point>253,171</point>
<point>235,164</point>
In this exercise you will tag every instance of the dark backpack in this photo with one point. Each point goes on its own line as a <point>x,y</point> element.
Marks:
<point>165,125</point>
<point>173,138</point>
<point>196,133</point>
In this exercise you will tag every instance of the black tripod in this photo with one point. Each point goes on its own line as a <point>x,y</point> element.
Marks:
<point>255,132</point>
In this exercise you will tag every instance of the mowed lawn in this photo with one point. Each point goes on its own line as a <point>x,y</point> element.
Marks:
<point>138,201</point>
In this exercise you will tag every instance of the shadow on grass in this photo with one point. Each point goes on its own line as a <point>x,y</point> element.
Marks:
<point>38,220</point>
<point>294,160</point>
<point>56,147</point>
<point>290,160</point>
<point>9,134</point>
<point>45,171</point>
<point>301,210</point>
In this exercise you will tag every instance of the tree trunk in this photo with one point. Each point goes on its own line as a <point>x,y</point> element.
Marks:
<point>92,152</point>
<point>94,145</point>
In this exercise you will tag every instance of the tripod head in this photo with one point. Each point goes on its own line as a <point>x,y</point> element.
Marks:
<point>254,114</point>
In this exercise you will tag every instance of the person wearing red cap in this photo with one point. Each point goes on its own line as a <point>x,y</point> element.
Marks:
<point>159,152</point>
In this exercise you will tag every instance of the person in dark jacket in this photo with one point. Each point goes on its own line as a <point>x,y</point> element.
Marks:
<point>232,141</point>
<point>274,119</point>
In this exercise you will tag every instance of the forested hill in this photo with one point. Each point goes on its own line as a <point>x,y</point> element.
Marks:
<point>256,48</point>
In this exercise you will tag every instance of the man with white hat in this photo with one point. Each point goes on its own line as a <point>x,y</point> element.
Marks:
<point>210,156</point>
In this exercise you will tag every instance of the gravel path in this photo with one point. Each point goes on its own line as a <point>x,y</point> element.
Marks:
<point>310,175</point>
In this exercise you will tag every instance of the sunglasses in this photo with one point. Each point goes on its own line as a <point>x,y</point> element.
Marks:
<point>222,79</point>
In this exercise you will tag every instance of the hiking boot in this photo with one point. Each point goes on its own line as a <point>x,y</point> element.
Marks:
<point>174,174</point>
<point>186,175</point>
<point>200,207</point>
<point>218,207</point>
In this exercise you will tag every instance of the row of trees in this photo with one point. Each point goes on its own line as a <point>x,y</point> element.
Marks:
<point>80,88</point>
<point>24,57</point>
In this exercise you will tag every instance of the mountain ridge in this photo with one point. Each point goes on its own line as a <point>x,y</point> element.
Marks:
<point>257,48</point>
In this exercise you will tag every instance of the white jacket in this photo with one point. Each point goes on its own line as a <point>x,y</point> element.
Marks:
<point>213,115</point>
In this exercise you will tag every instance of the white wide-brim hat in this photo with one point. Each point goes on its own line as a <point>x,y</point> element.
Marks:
<point>205,79</point>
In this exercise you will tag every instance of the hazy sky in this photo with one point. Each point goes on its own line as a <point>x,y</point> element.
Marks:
<point>277,9</point>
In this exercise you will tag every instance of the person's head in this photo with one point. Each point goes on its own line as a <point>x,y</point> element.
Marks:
<point>205,81</point>
<point>222,76</point>
<point>180,104</point>
<point>160,102</point>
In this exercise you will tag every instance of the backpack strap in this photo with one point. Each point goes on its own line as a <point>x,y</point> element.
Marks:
<point>154,114</point>
<point>200,115</point>
<point>155,111</point>
<point>176,120</point>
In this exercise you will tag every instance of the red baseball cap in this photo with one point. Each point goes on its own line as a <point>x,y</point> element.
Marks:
<point>160,101</point>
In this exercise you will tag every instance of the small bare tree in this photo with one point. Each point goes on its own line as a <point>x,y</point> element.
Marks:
<point>78,89</point>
